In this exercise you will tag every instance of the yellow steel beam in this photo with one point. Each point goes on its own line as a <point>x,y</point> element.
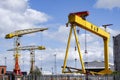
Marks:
<point>78,46</point>
<point>73,27</point>
<point>87,26</point>
<point>67,49</point>
<point>24,32</point>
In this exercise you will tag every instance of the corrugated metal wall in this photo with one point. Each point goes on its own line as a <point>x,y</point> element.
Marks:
<point>116,53</point>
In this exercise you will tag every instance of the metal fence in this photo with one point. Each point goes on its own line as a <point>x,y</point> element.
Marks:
<point>61,77</point>
<point>71,77</point>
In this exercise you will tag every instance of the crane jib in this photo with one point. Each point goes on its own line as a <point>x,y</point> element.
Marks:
<point>19,33</point>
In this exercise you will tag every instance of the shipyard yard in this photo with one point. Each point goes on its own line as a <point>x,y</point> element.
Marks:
<point>59,40</point>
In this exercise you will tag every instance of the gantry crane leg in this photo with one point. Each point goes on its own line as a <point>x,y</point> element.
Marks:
<point>78,46</point>
<point>73,27</point>
<point>106,58</point>
<point>67,49</point>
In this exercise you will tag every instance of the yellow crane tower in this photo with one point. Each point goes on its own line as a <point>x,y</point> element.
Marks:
<point>79,19</point>
<point>17,34</point>
<point>32,49</point>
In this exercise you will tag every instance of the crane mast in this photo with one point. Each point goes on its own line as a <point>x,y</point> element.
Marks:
<point>17,34</point>
<point>79,19</point>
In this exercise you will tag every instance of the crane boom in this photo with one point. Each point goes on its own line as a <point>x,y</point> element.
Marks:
<point>32,47</point>
<point>23,32</point>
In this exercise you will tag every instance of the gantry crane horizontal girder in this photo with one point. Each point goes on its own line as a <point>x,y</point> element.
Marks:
<point>78,21</point>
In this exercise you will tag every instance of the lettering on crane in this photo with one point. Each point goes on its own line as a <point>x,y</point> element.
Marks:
<point>94,28</point>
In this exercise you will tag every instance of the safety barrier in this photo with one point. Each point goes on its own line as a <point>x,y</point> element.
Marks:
<point>61,77</point>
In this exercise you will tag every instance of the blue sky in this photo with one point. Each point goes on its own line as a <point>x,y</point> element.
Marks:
<point>24,14</point>
<point>60,9</point>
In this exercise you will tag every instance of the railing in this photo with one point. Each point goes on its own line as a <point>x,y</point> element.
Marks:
<point>61,77</point>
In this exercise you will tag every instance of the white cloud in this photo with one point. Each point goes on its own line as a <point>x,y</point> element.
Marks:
<point>14,6</point>
<point>58,35</point>
<point>36,17</point>
<point>62,34</point>
<point>16,15</point>
<point>113,32</point>
<point>107,4</point>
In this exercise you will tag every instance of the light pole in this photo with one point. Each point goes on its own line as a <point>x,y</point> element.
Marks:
<point>41,64</point>
<point>23,64</point>
<point>55,65</point>
<point>75,62</point>
<point>52,70</point>
<point>5,61</point>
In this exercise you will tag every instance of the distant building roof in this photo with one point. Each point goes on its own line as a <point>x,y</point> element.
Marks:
<point>3,66</point>
<point>97,65</point>
<point>94,64</point>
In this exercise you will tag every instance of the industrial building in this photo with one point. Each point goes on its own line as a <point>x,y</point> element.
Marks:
<point>2,70</point>
<point>97,66</point>
<point>116,52</point>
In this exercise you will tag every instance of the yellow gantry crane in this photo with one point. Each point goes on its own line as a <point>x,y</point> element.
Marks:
<point>32,49</point>
<point>17,34</point>
<point>79,19</point>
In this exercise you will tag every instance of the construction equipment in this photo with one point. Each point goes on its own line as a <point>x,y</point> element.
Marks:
<point>32,49</point>
<point>106,25</point>
<point>23,48</point>
<point>20,33</point>
<point>79,19</point>
<point>17,34</point>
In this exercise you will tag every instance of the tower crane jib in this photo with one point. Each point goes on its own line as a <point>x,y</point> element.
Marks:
<point>23,32</point>
<point>23,48</point>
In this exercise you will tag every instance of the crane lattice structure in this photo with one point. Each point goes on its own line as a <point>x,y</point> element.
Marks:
<point>79,19</point>
<point>17,34</point>
<point>32,49</point>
